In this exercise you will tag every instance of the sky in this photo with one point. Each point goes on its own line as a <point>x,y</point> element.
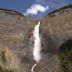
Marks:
<point>34,8</point>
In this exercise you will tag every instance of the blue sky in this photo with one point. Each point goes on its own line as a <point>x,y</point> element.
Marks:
<point>34,8</point>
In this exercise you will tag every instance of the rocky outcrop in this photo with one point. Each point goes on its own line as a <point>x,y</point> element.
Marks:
<point>58,26</point>
<point>56,29</point>
<point>16,34</point>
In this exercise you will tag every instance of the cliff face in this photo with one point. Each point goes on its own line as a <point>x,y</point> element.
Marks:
<point>58,25</point>
<point>56,29</point>
<point>16,35</point>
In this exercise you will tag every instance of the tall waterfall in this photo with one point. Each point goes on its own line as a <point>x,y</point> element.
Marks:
<point>37,45</point>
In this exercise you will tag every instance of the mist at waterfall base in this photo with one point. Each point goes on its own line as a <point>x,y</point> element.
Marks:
<point>37,46</point>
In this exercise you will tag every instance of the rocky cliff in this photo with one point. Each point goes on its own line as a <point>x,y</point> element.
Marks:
<point>16,41</point>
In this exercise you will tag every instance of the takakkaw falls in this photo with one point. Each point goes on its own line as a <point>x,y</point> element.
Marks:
<point>28,44</point>
<point>37,45</point>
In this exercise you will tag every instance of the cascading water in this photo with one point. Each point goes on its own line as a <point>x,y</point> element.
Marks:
<point>37,45</point>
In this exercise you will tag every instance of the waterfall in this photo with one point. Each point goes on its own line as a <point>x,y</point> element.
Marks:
<point>37,45</point>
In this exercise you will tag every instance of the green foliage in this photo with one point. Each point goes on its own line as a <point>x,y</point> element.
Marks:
<point>60,9</point>
<point>66,61</point>
<point>65,57</point>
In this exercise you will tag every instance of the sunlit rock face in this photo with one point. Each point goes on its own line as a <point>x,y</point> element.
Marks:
<point>16,33</point>
<point>57,26</point>
<point>56,29</point>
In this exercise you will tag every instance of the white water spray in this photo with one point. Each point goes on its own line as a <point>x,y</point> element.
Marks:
<point>32,69</point>
<point>37,45</point>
